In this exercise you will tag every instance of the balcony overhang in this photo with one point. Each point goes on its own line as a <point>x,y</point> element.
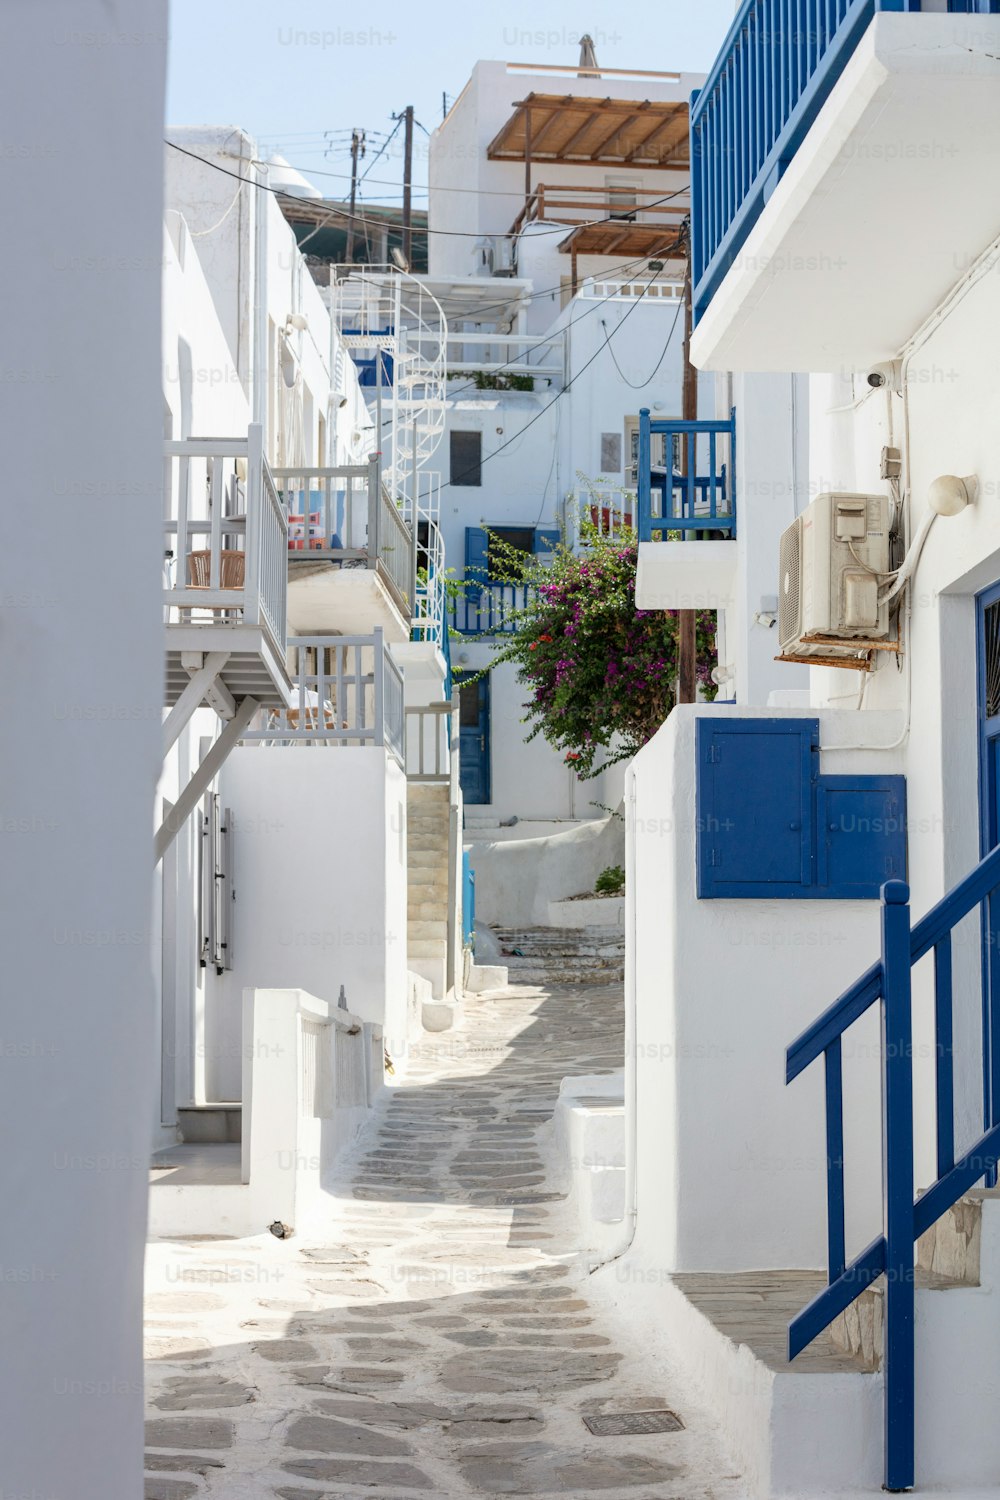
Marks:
<point>885,204</point>
<point>324,597</point>
<point>686,575</point>
<point>580,130</point>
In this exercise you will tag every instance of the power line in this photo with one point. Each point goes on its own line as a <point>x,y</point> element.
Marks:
<point>460,234</point>
<point>569,384</point>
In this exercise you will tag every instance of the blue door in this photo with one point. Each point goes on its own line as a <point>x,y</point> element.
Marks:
<point>474,740</point>
<point>988,654</point>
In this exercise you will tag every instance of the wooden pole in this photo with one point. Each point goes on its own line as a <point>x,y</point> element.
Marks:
<point>407,181</point>
<point>357,144</point>
<point>687,650</point>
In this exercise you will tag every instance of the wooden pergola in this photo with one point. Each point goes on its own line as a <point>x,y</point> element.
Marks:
<point>576,130</point>
<point>579,131</point>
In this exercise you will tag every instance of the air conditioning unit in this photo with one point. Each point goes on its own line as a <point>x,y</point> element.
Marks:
<point>833,560</point>
<point>495,256</point>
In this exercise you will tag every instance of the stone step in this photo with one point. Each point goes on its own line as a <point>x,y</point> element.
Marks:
<point>426,911</point>
<point>426,927</point>
<point>210,1124</point>
<point>426,859</point>
<point>432,948</point>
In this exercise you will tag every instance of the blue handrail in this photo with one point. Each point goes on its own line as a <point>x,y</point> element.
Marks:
<point>468,900</point>
<point>702,496</point>
<point>905,1218</point>
<point>775,70</point>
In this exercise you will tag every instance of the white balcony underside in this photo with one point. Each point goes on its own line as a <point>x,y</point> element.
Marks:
<point>348,601</point>
<point>686,575</point>
<point>254,668</point>
<point>884,207</point>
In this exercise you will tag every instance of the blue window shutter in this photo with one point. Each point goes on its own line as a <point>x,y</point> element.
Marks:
<point>476,548</point>
<point>861,843</point>
<point>755,806</point>
<point>546,540</point>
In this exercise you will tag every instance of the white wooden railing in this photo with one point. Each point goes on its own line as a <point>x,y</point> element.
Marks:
<point>225,535</point>
<point>346,690</point>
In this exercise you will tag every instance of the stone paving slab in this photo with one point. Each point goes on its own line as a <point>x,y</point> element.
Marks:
<point>434,1336</point>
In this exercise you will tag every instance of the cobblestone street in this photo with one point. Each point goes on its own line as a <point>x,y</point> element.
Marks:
<point>437,1338</point>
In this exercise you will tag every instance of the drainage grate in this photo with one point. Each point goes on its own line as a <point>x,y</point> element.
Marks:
<point>633,1423</point>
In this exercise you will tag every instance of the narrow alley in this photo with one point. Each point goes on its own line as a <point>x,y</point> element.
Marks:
<point>437,1338</point>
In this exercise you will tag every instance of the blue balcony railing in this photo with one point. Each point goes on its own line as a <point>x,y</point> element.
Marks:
<point>774,72</point>
<point>905,1214</point>
<point>489,608</point>
<point>693,488</point>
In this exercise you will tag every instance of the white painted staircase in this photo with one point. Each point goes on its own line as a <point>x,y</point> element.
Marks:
<point>427,815</point>
<point>813,1428</point>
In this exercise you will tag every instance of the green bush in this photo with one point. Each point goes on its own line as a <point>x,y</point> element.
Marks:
<point>610,882</point>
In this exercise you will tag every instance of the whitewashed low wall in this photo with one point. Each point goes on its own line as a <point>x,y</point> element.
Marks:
<point>599,911</point>
<point>312,1073</point>
<point>516,880</point>
<point>731,1163</point>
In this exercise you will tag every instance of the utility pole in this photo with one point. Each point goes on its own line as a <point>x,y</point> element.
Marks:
<point>687,648</point>
<point>357,149</point>
<point>407,181</point>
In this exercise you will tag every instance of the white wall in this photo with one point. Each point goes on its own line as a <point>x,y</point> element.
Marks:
<point>731,1164</point>
<point>947,411</point>
<point>82,667</point>
<point>320,879</point>
<point>458,155</point>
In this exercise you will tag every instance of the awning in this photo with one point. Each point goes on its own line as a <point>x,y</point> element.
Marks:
<point>573,128</point>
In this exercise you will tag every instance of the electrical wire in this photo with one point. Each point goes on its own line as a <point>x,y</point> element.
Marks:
<point>566,388</point>
<point>643,384</point>
<point>461,234</point>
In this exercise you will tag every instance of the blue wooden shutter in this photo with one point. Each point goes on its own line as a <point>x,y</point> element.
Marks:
<point>754,806</point>
<point>546,540</point>
<point>770,826</point>
<point>861,828</point>
<point>476,561</point>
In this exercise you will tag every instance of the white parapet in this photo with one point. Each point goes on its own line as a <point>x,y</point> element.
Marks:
<point>686,575</point>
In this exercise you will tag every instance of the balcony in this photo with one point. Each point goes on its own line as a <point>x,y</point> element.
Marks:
<point>484,609</point>
<point>625,221</point>
<point>350,554</point>
<point>226,541</point>
<point>686,494</point>
<point>838,165</point>
<point>346,691</point>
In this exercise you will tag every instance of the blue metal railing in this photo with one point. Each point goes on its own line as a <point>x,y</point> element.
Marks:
<point>775,70</point>
<point>905,1218</point>
<point>696,483</point>
<point>468,901</point>
<point>489,608</point>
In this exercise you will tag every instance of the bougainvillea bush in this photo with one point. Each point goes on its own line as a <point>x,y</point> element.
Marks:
<point>601,674</point>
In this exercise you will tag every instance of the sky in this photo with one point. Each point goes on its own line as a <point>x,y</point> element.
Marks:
<point>299,75</point>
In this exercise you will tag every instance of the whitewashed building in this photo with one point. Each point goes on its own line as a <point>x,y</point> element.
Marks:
<point>557,197</point>
<point>303,850</point>
<point>804,1172</point>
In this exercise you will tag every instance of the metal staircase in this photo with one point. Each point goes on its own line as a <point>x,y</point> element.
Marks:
<point>397,333</point>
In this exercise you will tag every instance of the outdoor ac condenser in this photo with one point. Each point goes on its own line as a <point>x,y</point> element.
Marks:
<point>833,559</point>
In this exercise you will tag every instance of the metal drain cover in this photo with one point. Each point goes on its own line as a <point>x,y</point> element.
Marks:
<point>632,1423</point>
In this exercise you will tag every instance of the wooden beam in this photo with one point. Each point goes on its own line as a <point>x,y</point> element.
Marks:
<point>203,777</point>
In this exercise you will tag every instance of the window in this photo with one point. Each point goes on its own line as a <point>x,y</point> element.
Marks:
<point>623,200</point>
<point>521,538</point>
<point>656,450</point>
<point>611,452</point>
<point>465,458</point>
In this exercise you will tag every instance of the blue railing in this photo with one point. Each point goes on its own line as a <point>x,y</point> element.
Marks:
<point>468,901</point>
<point>905,1218</point>
<point>694,488</point>
<point>489,608</point>
<point>774,72</point>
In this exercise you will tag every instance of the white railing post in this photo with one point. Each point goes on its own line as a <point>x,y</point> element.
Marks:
<point>379,675</point>
<point>254,523</point>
